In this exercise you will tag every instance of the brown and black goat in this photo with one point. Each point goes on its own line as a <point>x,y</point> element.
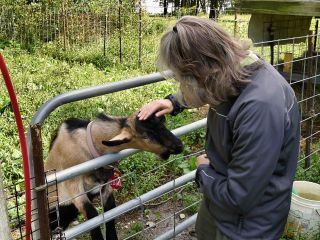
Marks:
<point>70,147</point>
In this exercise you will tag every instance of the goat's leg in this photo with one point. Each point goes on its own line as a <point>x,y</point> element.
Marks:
<point>85,207</point>
<point>108,204</point>
<point>67,214</point>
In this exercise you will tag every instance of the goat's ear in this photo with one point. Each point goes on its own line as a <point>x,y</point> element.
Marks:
<point>123,137</point>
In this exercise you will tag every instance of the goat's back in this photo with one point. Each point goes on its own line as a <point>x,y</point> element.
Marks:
<point>68,146</point>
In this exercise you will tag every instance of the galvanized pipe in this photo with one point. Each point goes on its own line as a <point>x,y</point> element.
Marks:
<point>128,206</point>
<point>85,93</point>
<point>179,228</point>
<point>73,96</point>
<point>110,158</point>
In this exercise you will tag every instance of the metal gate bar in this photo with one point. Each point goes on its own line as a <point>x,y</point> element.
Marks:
<point>90,92</point>
<point>179,228</point>
<point>128,206</point>
<point>110,158</point>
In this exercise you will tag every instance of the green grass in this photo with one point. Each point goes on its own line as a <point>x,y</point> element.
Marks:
<point>46,71</point>
<point>40,73</point>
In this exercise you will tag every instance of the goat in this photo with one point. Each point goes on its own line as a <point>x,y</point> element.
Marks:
<point>71,146</point>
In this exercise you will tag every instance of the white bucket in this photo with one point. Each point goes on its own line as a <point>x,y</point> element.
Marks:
<point>304,215</point>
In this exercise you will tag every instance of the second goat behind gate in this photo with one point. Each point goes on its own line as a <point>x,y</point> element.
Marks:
<point>77,141</point>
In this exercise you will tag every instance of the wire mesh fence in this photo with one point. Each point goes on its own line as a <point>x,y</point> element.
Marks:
<point>122,32</point>
<point>152,218</point>
<point>15,197</point>
<point>122,36</point>
<point>298,64</point>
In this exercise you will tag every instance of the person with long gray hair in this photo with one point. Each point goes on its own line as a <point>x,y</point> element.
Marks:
<point>253,129</point>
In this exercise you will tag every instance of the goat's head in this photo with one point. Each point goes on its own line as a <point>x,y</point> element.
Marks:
<point>149,135</point>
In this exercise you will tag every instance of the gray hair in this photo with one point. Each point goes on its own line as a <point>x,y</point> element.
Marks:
<point>205,60</point>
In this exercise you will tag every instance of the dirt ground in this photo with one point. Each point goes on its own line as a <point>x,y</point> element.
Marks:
<point>157,221</point>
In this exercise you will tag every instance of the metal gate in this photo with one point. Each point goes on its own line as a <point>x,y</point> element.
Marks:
<point>40,222</point>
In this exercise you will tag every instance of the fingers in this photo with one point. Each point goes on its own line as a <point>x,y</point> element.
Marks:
<point>202,156</point>
<point>160,107</point>
<point>144,114</point>
<point>147,110</point>
<point>162,112</point>
<point>202,159</point>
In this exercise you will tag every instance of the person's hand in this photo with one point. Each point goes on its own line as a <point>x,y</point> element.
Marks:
<point>202,159</point>
<point>160,107</point>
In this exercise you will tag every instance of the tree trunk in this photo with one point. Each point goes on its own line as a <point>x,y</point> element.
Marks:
<point>197,6</point>
<point>165,7</point>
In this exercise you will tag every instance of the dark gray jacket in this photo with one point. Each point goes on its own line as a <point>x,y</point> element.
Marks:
<point>253,146</point>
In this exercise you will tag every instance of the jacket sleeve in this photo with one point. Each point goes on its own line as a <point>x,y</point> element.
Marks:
<point>177,103</point>
<point>258,132</point>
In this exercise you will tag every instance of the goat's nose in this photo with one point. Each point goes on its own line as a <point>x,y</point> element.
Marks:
<point>177,148</point>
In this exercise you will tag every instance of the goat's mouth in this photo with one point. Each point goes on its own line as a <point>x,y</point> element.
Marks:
<point>165,155</point>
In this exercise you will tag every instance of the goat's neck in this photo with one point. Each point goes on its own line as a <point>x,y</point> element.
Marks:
<point>102,131</point>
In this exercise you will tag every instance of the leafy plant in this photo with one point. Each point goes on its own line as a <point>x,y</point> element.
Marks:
<point>134,228</point>
<point>188,165</point>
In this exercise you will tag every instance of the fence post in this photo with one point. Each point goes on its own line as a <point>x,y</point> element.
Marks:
<point>119,27</point>
<point>271,39</point>
<point>309,110</point>
<point>140,34</point>
<point>235,27</point>
<point>65,27</point>
<point>315,35</point>
<point>42,205</point>
<point>105,34</point>
<point>4,226</point>
<point>197,7</point>
<point>213,9</point>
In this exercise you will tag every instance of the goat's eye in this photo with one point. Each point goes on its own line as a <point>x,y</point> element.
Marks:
<point>145,137</point>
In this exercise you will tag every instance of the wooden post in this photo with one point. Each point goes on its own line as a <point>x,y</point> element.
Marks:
<point>287,62</point>
<point>309,110</point>
<point>42,203</point>
<point>315,35</point>
<point>4,226</point>
<point>271,39</point>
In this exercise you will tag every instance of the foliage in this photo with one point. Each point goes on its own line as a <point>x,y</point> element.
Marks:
<point>41,75</point>
<point>189,198</point>
<point>134,228</point>
<point>311,173</point>
<point>189,165</point>
<point>42,70</point>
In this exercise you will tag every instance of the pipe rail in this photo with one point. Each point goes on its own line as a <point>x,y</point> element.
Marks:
<point>90,92</point>
<point>69,97</point>
<point>179,228</point>
<point>128,206</point>
<point>108,159</point>
<point>77,170</point>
